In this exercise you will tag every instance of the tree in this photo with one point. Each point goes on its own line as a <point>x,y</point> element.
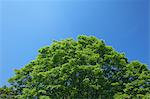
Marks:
<point>82,69</point>
<point>7,93</point>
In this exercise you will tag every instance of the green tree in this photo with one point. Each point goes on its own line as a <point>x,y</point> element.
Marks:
<point>7,93</point>
<point>82,69</point>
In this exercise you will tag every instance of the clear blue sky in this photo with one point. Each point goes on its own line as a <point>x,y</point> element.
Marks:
<point>27,25</point>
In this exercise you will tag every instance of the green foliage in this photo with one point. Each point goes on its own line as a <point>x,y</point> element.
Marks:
<point>82,69</point>
<point>7,93</point>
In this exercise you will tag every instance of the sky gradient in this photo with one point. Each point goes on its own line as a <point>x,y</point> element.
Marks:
<point>27,25</point>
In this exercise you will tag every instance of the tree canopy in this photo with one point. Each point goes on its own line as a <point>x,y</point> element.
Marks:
<point>85,68</point>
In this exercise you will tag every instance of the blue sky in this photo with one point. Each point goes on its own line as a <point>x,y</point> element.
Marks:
<point>27,25</point>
